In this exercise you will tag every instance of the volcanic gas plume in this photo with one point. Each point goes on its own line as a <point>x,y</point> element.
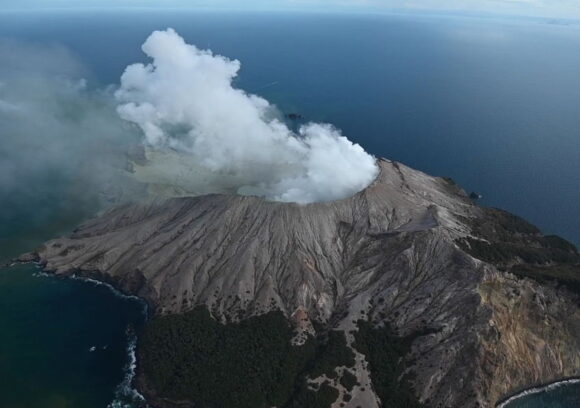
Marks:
<point>189,132</point>
<point>204,135</point>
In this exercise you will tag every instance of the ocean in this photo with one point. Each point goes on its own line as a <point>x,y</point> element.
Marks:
<point>492,103</point>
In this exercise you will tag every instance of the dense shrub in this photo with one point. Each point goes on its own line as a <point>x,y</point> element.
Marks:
<point>331,354</point>
<point>505,239</point>
<point>568,275</point>
<point>514,245</point>
<point>556,242</point>
<point>348,380</point>
<point>386,353</point>
<point>536,252</point>
<point>305,397</point>
<point>250,364</point>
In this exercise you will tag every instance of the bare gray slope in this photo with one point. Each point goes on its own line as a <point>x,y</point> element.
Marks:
<point>388,253</point>
<point>185,250</point>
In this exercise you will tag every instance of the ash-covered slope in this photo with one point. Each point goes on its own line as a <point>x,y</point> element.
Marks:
<point>401,254</point>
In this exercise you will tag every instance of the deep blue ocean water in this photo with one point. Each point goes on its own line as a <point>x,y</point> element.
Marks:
<point>63,343</point>
<point>494,104</point>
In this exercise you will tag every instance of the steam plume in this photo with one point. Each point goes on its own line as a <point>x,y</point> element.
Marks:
<point>204,135</point>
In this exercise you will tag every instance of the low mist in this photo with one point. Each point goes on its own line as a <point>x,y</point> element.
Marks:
<point>62,144</point>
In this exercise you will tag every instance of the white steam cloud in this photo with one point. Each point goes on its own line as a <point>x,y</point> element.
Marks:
<point>203,135</point>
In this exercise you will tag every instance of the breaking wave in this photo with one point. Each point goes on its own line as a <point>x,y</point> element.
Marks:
<point>126,396</point>
<point>538,390</point>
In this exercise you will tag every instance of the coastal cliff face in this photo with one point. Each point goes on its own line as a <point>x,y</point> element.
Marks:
<point>458,304</point>
<point>533,336</point>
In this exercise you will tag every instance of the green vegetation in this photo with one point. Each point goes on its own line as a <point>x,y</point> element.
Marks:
<point>554,241</point>
<point>515,245</point>
<point>348,380</point>
<point>249,364</point>
<point>330,354</point>
<point>385,353</point>
<point>307,398</point>
<point>501,225</point>
<point>568,275</point>
<point>527,252</point>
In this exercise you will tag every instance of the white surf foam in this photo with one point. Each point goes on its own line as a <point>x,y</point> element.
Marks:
<point>126,396</point>
<point>538,390</point>
<point>115,292</point>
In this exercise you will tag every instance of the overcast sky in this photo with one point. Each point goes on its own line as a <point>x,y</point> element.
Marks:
<point>543,8</point>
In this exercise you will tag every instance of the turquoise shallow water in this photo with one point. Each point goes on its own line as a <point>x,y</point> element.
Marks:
<point>493,105</point>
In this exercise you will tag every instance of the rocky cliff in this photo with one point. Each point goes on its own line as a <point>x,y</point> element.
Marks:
<point>471,303</point>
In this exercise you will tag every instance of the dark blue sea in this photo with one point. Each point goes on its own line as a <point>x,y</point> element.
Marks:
<point>492,103</point>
